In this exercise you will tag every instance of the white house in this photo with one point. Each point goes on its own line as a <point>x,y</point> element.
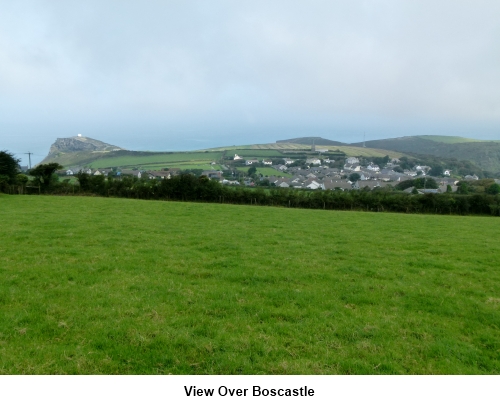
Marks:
<point>234,182</point>
<point>313,161</point>
<point>69,172</point>
<point>352,160</point>
<point>410,173</point>
<point>236,157</point>
<point>288,161</point>
<point>313,185</point>
<point>373,167</point>
<point>159,174</point>
<point>352,167</point>
<point>251,162</point>
<point>267,162</point>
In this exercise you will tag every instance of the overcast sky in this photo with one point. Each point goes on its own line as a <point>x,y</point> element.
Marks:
<point>183,75</point>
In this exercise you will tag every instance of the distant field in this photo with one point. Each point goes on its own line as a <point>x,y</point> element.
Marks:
<point>264,146</point>
<point>156,160</point>
<point>253,153</point>
<point>360,151</point>
<point>204,165</point>
<point>116,286</point>
<point>348,150</point>
<point>200,159</point>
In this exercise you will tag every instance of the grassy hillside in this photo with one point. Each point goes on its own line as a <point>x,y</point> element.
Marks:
<point>197,159</point>
<point>485,154</point>
<point>448,139</point>
<point>149,160</point>
<point>310,140</point>
<point>70,159</point>
<point>349,150</point>
<point>91,285</point>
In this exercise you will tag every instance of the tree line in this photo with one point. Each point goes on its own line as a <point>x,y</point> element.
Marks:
<point>188,187</point>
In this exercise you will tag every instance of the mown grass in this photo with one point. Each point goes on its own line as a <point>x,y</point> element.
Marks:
<point>92,285</point>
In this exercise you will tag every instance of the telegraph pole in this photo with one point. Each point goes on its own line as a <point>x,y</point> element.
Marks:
<point>29,157</point>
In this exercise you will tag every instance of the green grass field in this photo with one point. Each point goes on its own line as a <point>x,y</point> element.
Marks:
<point>451,139</point>
<point>272,148</point>
<point>157,160</point>
<point>255,153</point>
<point>115,286</point>
<point>204,165</point>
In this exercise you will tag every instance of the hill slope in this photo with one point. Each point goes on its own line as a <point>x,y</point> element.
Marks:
<point>485,154</point>
<point>77,149</point>
<point>309,140</point>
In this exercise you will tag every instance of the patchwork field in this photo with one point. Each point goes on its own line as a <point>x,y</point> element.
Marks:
<point>270,149</point>
<point>115,286</point>
<point>158,160</point>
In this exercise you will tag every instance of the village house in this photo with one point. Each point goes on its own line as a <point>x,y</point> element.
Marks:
<point>371,184</point>
<point>352,167</point>
<point>313,184</point>
<point>160,174</point>
<point>336,184</point>
<point>230,182</point>
<point>313,161</point>
<point>212,174</point>
<point>126,172</point>
<point>410,173</point>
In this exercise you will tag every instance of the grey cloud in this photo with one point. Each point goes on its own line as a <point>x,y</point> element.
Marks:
<point>389,67</point>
